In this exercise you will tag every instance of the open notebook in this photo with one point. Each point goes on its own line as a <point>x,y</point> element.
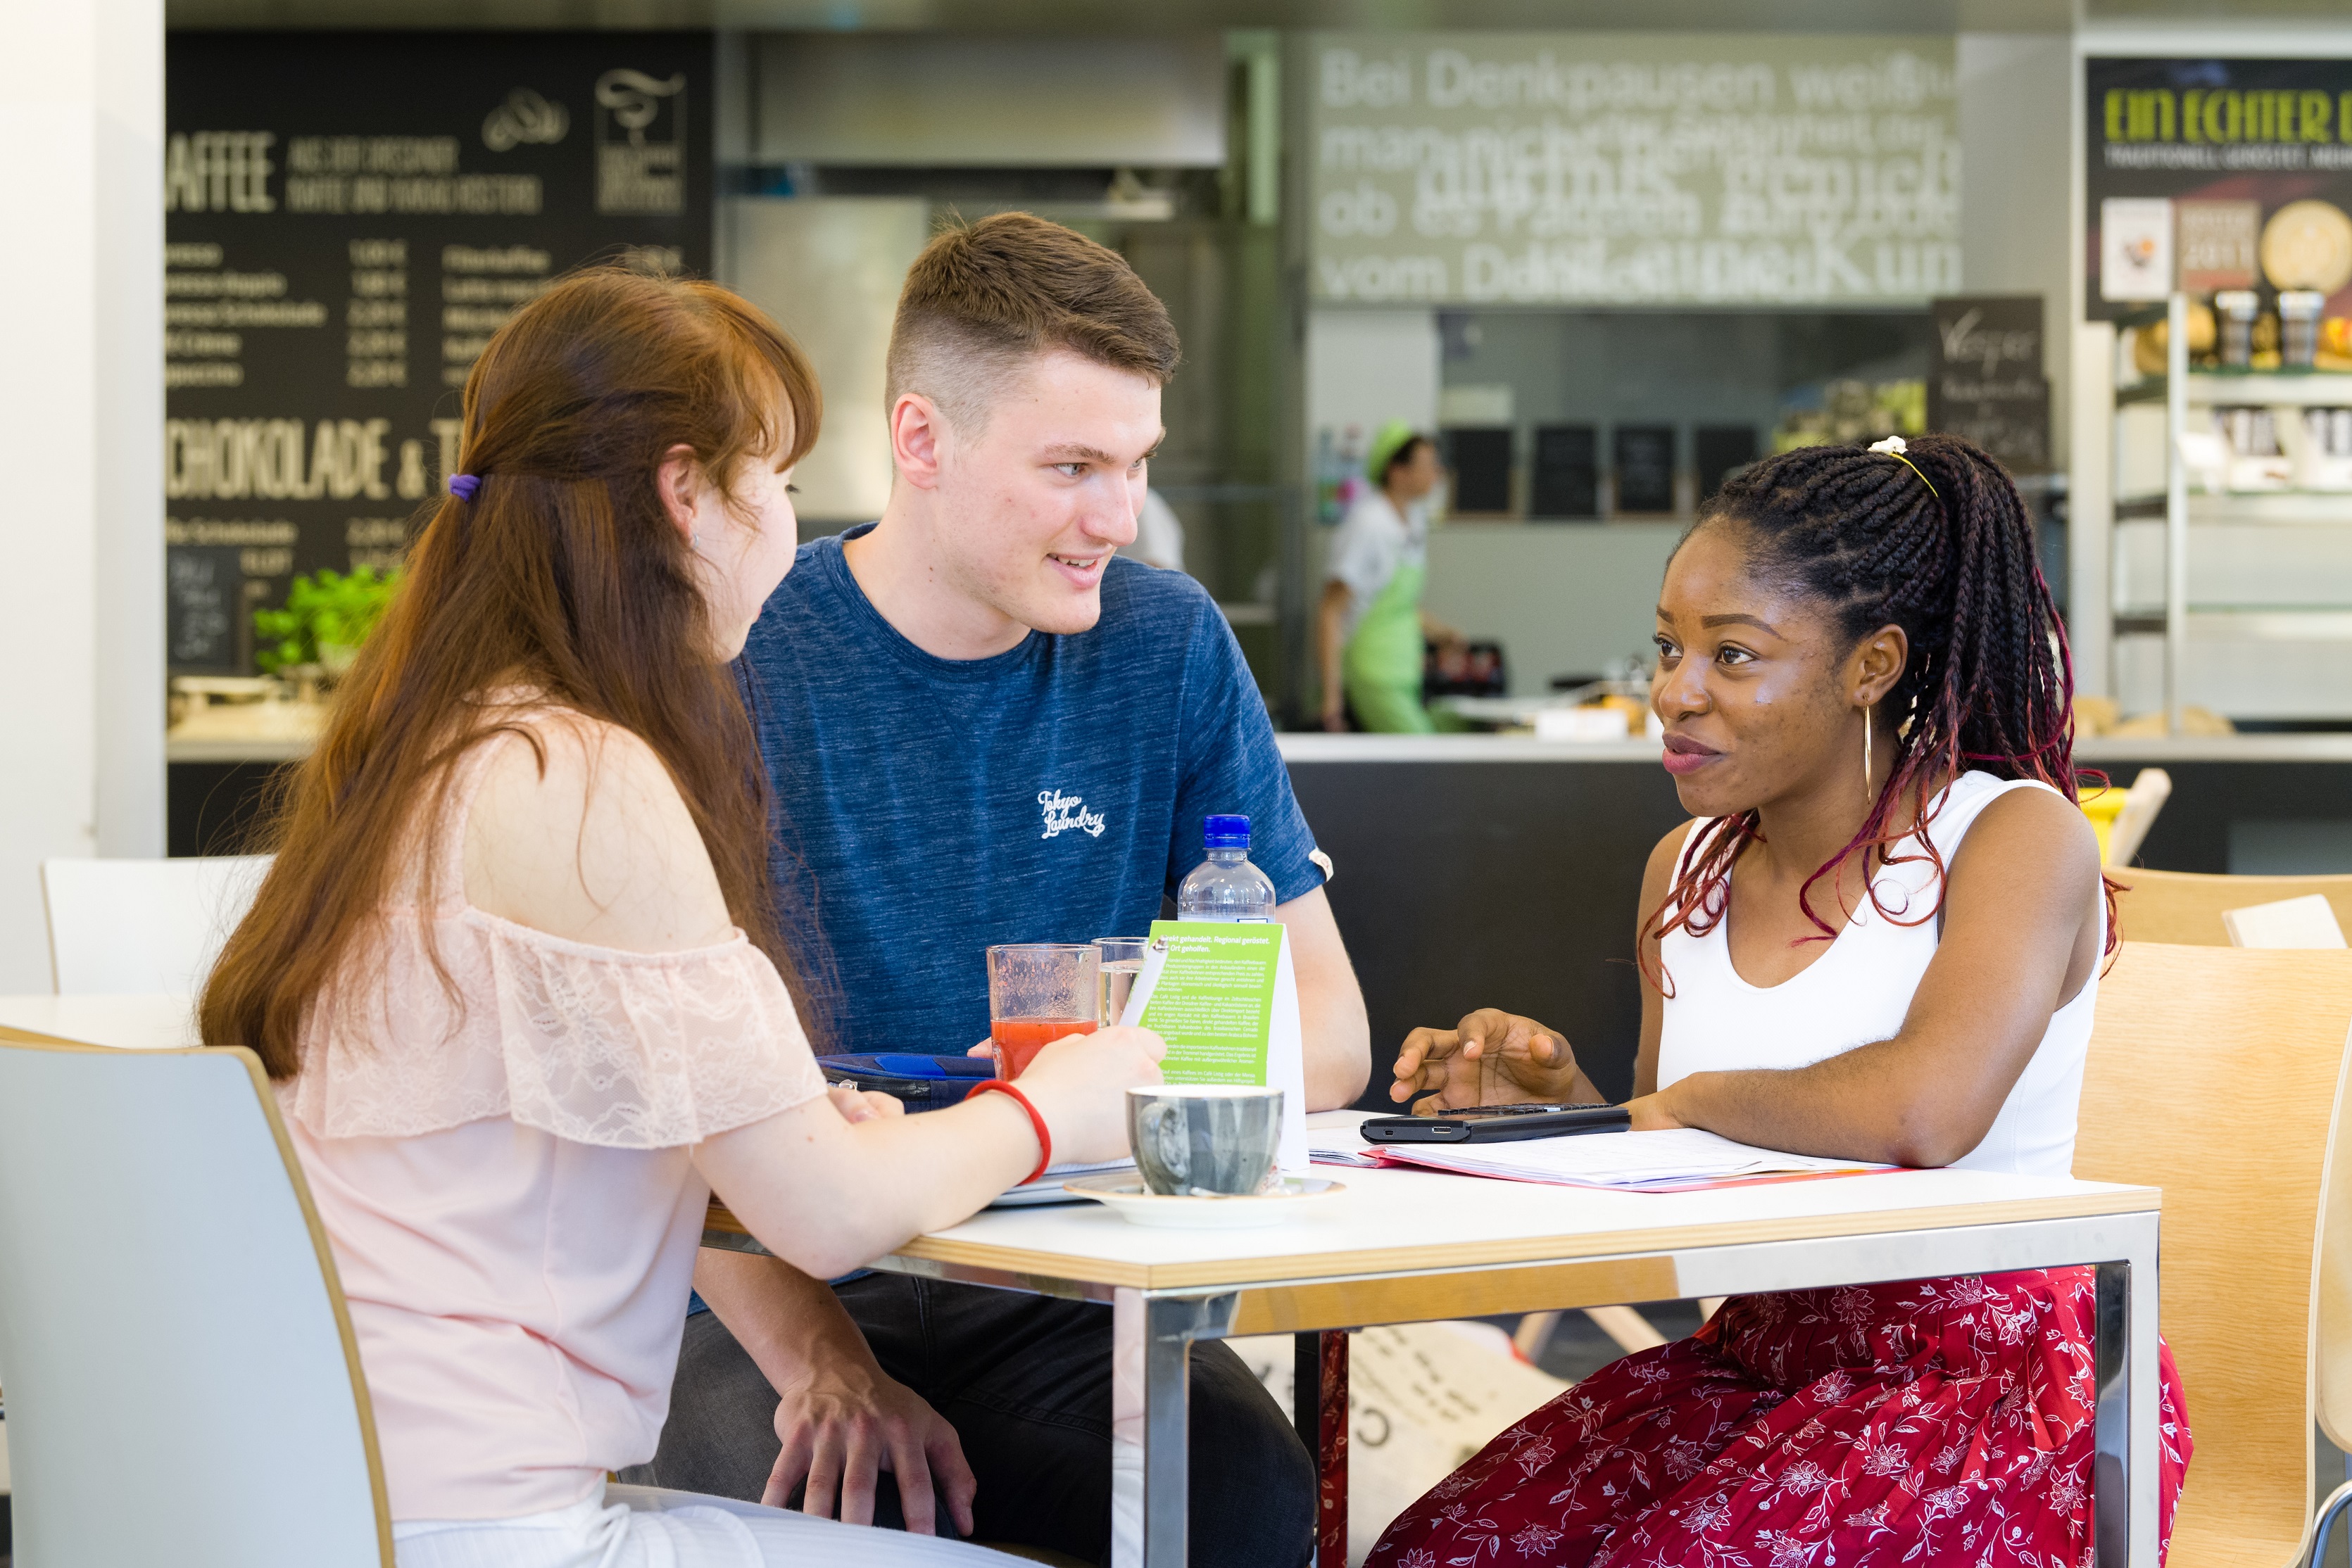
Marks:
<point>1635,1161</point>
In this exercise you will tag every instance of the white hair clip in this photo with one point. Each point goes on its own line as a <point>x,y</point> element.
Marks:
<point>1893,446</point>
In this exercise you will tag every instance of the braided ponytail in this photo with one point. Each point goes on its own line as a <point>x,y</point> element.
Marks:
<point>1938,542</point>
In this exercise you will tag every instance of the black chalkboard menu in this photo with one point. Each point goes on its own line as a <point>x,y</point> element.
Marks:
<point>1645,467</point>
<point>1985,380</point>
<point>1480,456</point>
<point>203,609</point>
<point>1567,478</point>
<point>348,217</point>
<point>1721,451</point>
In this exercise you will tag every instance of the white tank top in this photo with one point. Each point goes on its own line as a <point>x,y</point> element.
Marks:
<point>1859,991</point>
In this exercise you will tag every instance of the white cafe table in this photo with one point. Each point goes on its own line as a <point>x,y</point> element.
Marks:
<point>1402,1245</point>
<point>1405,1246</point>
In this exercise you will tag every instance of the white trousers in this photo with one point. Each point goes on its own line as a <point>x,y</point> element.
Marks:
<point>644,1527</point>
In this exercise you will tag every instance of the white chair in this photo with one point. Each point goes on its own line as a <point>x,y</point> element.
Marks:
<point>183,1384</point>
<point>142,927</point>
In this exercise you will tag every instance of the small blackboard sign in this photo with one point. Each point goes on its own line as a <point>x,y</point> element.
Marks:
<point>1567,480</point>
<point>1720,449</point>
<point>1985,380</point>
<point>1645,467</point>
<point>203,609</point>
<point>1480,456</point>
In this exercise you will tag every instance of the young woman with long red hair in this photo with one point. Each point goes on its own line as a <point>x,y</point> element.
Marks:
<point>1881,938</point>
<point>518,971</point>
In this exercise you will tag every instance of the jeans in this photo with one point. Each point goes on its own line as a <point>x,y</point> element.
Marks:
<point>1026,1382</point>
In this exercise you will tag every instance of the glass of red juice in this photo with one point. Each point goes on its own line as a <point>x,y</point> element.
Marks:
<point>1039,992</point>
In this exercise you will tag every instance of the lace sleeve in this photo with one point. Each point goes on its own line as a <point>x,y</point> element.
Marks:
<point>626,1050</point>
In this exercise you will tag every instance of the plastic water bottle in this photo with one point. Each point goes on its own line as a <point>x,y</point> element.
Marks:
<point>1225,887</point>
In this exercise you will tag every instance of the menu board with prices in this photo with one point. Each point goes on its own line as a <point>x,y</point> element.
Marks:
<point>348,217</point>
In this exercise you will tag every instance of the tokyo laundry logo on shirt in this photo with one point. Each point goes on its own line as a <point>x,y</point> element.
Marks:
<point>1064,812</point>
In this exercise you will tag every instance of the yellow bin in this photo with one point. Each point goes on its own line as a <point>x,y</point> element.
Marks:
<point>2102,808</point>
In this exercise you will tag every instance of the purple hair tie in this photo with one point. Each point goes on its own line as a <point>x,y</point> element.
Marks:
<point>463,485</point>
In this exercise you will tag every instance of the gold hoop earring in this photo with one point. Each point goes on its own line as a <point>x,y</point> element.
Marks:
<point>1866,785</point>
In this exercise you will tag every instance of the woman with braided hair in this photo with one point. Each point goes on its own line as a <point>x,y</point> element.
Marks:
<point>1879,938</point>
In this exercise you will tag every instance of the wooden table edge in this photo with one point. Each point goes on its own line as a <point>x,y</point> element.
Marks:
<point>1501,1251</point>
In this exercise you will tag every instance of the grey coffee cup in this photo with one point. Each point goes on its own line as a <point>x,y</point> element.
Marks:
<point>1198,1140</point>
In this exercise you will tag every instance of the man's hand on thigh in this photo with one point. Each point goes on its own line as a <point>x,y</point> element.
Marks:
<point>843,1424</point>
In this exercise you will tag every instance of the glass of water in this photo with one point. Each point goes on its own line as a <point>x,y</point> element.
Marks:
<point>1122,962</point>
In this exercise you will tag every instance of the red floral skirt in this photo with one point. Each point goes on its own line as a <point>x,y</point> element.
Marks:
<point>1927,1422</point>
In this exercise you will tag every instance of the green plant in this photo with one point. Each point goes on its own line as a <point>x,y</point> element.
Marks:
<point>325,611</point>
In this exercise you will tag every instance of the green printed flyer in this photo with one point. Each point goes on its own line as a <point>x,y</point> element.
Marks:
<point>1225,998</point>
<point>1214,1001</point>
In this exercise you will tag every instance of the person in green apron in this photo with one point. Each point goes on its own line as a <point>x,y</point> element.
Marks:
<point>1373,629</point>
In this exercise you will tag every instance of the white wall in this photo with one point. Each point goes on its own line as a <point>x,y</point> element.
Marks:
<point>82,410</point>
<point>1565,598</point>
<point>1365,368</point>
<point>2018,172</point>
<point>2016,113</point>
<point>829,268</point>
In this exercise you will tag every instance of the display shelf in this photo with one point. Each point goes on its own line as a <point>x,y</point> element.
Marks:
<point>2178,619</point>
<point>2273,623</point>
<point>2245,623</point>
<point>2319,508</point>
<point>2247,389</point>
<point>2271,389</point>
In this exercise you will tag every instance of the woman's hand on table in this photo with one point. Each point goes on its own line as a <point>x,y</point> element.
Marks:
<point>1490,1058</point>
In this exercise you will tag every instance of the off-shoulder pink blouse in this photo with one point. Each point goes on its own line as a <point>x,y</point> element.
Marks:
<point>502,1169</point>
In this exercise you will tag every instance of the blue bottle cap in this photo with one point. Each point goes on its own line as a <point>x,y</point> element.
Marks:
<point>1225,832</point>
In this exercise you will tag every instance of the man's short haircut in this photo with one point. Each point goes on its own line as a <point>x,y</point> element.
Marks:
<point>985,296</point>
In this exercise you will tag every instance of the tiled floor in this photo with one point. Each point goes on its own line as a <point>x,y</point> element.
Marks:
<point>1578,1348</point>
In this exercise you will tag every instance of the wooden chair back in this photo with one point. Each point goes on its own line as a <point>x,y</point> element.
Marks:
<point>140,927</point>
<point>2217,1073</point>
<point>183,1382</point>
<point>2184,908</point>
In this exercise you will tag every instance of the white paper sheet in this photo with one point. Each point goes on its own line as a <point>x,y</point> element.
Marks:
<point>1635,1160</point>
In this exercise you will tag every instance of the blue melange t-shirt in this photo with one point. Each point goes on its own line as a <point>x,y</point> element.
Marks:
<point>1053,793</point>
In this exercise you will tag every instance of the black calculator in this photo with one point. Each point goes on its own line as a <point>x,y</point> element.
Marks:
<point>1498,1125</point>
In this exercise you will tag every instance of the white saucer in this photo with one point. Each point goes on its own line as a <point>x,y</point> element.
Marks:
<point>1125,1192</point>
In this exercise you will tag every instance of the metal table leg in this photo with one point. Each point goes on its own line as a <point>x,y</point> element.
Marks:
<point>1151,1355</point>
<point>2111,1469</point>
<point>2125,1474</point>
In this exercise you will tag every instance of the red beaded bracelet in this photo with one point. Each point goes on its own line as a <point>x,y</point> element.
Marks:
<point>1045,1138</point>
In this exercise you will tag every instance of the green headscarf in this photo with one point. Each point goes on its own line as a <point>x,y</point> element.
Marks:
<point>1386,444</point>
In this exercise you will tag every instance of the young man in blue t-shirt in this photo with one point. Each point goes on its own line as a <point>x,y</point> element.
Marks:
<point>983,728</point>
